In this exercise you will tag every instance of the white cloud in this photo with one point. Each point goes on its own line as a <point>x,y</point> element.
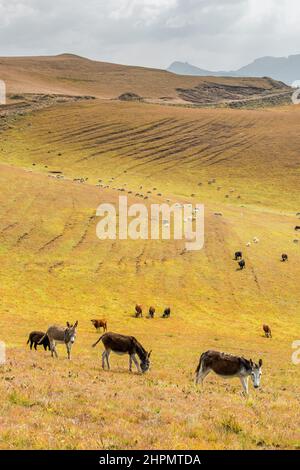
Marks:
<point>216,34</point>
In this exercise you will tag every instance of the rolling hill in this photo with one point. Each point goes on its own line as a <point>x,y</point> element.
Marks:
<point>74,75</point>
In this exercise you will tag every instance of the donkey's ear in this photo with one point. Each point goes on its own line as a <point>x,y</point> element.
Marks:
<point>68,324</point>
<point>149,353</point>
<point>260,363</point>
<point>76,324</point>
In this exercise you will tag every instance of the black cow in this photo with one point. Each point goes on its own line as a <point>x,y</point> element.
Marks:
<point>242,264</point>
<point>238,255</point>
<point>35,338</point>
<point>284,257</point>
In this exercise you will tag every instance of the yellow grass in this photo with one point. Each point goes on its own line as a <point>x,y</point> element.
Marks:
<point>54,269</point>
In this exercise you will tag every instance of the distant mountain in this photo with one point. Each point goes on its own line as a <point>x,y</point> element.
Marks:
<point>184,68</point>
<point>285,69</point>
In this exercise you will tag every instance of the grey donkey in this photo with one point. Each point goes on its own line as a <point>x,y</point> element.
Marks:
<point>61,335</point>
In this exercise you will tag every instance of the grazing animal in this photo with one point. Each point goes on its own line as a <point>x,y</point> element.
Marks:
<point>238,255</point>
<point>151,312</point>
<point>248,244</point>
<point>35,338</point>
<point>256,240</point>
<point>242,264</point>
<point>229,366</point>
<point>100,324</point>
<point>138,311</point>
<point>61,335</point>
<point>121,344</point>
<point>267,331</point>
<point>297,227</point>
<point>167,313</point>
<point>284,257</point>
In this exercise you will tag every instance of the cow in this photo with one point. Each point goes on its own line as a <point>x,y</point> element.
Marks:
<point>138,311</point>
<point>267,331</point>
<point>297,228</point>
<point>167,313</point>
<point>151,312</point>
<point>238,255</point>
<point>34,340</point>
<point>229,366</point>
<point>121,344</point>
<point>284,257</point>
<point>61,335</point>
<point>242,264</point>
<point>100,324</point>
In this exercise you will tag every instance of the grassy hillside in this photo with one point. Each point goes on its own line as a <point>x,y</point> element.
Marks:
<point>54,269</point>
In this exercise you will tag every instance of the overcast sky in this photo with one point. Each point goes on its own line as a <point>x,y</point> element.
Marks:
<point>213,34</point>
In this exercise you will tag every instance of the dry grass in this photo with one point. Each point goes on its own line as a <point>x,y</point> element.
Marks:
<point>53,268</point>
<point>69,74</point>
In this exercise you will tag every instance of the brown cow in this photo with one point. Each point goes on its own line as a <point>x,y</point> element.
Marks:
<point>138,311</point>
<point>267,331</point>
<point>100,324</point>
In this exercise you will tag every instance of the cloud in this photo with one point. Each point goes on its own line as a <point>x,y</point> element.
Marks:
<point>216,34</point>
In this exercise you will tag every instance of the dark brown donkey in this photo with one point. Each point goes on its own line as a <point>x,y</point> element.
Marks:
<point>121,344</point>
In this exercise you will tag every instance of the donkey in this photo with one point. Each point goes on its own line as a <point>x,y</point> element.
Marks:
<point>228,366</point>
<point>34,340</point>
<point>242,264</point>
<point>121,344</point>
<point>61,335</point>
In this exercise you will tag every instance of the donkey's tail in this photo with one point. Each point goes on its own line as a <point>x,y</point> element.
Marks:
<point>95,344</point>
<point>42,339</point>
<point>200,363</point>
<point>28,340</point>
